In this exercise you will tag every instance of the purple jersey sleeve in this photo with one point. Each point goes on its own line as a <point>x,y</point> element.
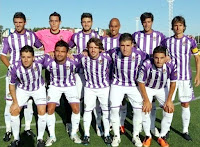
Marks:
<point>173,74</point>
<point>6,47</point>
<point>12,73</point>
<point>142,74</point>
<point>71,42</point>
<point>37,43</point>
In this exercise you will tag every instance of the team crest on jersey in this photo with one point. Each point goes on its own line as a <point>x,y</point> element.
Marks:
<point>133,58</point>
<point>28,37</point>
<point>184,43</point>
<point>154,38</point>
<point>164,71</point>
<point>61,37</point>
<point>100,61</point>
<point>35,68</point>
<point>67,67</point>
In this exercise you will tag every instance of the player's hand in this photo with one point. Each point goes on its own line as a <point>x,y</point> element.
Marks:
<point>14,108</point>
<point>169,106</point>
<point>51,54</point>
<point>168,59</point>
<point>70,56</point>
<point>146,106</point>
<point>197,80</point>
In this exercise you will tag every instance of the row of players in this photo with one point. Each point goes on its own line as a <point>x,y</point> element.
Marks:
<point>146,40</point>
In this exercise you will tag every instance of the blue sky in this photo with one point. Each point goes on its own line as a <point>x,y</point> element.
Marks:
<point>38,12</point>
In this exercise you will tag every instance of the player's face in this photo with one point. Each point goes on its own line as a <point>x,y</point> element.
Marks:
<point>126,47</point>
<point>54,23</point>
<point>60,54</point>
<point>114,28</point>
<point>147,25</point>
<point>93,50</point>
<point>86,24</point>
<point>159,59</point>
<point>19,25</point>
<point>178,28</point>
<point>27,59</point>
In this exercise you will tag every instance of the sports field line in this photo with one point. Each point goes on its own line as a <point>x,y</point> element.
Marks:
<point>60,121</point>
<point>2,77</point>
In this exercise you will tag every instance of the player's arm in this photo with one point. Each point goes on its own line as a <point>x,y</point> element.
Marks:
<point>4,52</point>
<point>5,61</point>
<point>197,77</point>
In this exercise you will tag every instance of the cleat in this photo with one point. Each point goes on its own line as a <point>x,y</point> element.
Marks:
<point>147,141</point>
<point>75,138</point>
<point>186,136</point>
<point>86,140</point>
<point>50,141</point>
<point>107,140</point>
<point>40,143</point>
<point>29,133</point>
<point>136,140</point>
<point>68,128</point>
<point>7,136</point>
<point>14,143</point>
<point>155,132</point>
<point>116,141</point>
<point>99,130</point>
<point>162,141</point>
<point>122,129</point>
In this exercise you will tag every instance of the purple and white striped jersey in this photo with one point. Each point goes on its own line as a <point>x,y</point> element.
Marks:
<point>126,68</point>
<point>14,42</point>
<point>30,79</point>
<point>181,49</point>
<point>154,77</point>
<point>61,75</point>
<point>110,42</point>
<point>96,71</point>
<point>80,40</point>
<point>147,42</point>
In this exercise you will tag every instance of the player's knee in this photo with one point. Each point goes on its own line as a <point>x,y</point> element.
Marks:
<point>186,105</point>
<point>76,110</point>
<point>42,112</point>
<point>15,112</point>
<point>50,110</point>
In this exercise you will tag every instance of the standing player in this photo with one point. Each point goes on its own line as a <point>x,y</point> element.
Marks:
<point>181,47</point>
<point>80,40</point>
<point>49,37</point>
<point>152,81</point>
<point>110,42</point>
<point>31,83</point>
<point>12,45</point>
<point>147,40</point>
<point>96,70</point>
<point>62,76</point>
<point>127,60</point>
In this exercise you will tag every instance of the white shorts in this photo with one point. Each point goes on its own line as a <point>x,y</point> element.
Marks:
<point>117,94</point>
<point>90,97</point>
<point>160,94</point>
<point>185,90</point>
<point>54,94</point>
<point>80,84</point>
<point>39,96</point>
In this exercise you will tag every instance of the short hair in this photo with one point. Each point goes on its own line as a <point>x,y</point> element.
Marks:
<point>125,37</point>
<point>62,43</point>
<point>96,41</point>
<point>179,19</point>
<point>19,15</point>
<point>160,49</point>
<point>26,49</point>
<point>145,16</point>
<point>55,14</point>
<point>86,15</point>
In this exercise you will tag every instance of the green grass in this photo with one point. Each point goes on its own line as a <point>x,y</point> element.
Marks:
<point>175,139</point>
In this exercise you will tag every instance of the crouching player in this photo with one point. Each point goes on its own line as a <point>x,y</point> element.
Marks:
<point>31,84</point>
<point>62,80</point>
<point>96,71</point>
<point>152,81</point>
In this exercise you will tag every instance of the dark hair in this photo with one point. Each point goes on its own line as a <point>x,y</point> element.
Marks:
<point>86,15</point>
<point>125,37</point>
<point>179,19</point>
<point>160,49</point>
<point>62,43</point>
<point>55,14</point>
<point>27,48</point>
<point>19,15</point>
<point>145,16</point>
<point>97,42</point>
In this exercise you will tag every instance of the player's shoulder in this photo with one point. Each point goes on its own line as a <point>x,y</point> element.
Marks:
<point>189,38</point>
<point>137,33</point>
<point>66,32</point>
